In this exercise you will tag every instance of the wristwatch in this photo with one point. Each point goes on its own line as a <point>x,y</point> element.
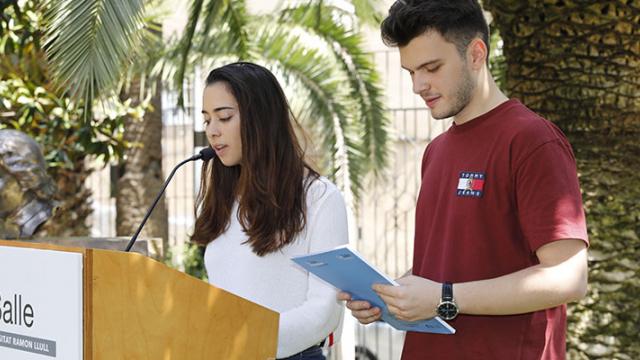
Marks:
<point>447,308</point>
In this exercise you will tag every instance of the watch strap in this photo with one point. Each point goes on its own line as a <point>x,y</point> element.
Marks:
<point>447,291</point>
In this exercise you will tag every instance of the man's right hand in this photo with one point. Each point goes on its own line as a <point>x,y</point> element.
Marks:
<point>361,310</point>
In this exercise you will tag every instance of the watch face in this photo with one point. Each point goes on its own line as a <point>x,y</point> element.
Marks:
<point>447,310</point>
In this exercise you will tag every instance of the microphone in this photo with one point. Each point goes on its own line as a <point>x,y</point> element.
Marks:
<point>205,154</point>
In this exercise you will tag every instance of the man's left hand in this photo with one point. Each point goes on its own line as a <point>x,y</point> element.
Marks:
<point>415,299</point>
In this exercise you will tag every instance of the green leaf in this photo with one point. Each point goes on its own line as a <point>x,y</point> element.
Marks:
<point>346,46</point>
<point>89,42</point>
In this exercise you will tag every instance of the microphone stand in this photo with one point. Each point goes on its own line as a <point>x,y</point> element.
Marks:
<point>205,154</point>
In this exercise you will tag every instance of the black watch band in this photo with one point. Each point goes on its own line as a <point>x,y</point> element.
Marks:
<point>447,291</point>
<point>447,308</point>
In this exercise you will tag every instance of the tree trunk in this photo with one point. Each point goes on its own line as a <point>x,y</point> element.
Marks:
<point>577,63</point>
<point>140,176</point>
<point>74,200</point>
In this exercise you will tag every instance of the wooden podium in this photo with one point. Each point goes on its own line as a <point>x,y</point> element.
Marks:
<point>137,308</point>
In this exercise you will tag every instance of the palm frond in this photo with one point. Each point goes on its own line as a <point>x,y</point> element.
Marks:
<point>212,14</point>
<point>346,45</point>
<point>368,11</point>
<point>328,104</point>
<point>365,12</point>
<point>236,17</point>
<point>149,57</point>
<point>88,41</point>
<point>224,21</point>
<point>184,46</point>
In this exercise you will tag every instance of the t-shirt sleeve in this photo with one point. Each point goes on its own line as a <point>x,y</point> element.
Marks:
<point>320,313</point>
<point>548,195</point>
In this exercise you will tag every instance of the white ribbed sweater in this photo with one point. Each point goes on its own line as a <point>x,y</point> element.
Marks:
<point>308,308</point>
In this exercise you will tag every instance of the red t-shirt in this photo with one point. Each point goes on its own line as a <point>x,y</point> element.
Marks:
<point>493,191</point>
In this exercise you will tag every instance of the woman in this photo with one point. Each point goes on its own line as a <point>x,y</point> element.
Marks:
<point>260,204</point>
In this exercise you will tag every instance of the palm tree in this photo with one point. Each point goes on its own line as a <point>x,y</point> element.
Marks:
<point>90,45</point>
<point>578,64</point>
<point>343,101</point>
<point>32,104</point>
<point>139,172</point>
<point>341,88</point>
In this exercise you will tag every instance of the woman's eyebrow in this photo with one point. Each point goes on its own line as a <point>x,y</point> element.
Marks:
<point>219,109</point>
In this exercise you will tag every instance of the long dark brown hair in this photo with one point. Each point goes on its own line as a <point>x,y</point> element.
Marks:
<point>271,181</point>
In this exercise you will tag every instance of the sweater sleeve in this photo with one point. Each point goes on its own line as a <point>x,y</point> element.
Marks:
<point>319,315</point>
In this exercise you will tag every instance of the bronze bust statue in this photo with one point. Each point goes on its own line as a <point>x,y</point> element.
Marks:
<point>26,190</point>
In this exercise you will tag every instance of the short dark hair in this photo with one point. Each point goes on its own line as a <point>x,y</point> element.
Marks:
<point>458,21</point>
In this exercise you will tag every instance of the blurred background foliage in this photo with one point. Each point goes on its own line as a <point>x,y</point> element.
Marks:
<point>578,64</point>
<point>99,50</point>
<point>605,324</point>
<point>30,102</point>
<point>107,62</point>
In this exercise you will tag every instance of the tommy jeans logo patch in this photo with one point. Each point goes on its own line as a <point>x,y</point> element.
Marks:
<point>471,184</point>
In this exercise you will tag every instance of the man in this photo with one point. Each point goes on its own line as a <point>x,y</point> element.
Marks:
<point>26,191</point>
<point>500,239</point>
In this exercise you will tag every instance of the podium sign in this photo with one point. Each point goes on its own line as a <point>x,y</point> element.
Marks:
<point>80,303</point>
<point>41,304</point>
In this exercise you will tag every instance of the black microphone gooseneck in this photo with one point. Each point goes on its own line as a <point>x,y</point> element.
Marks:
<point>205,154</point>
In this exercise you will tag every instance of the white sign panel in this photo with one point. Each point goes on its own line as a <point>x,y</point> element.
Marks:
<point>40,304</point>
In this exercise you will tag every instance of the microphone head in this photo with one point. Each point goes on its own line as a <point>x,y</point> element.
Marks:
<point>207,153</point>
